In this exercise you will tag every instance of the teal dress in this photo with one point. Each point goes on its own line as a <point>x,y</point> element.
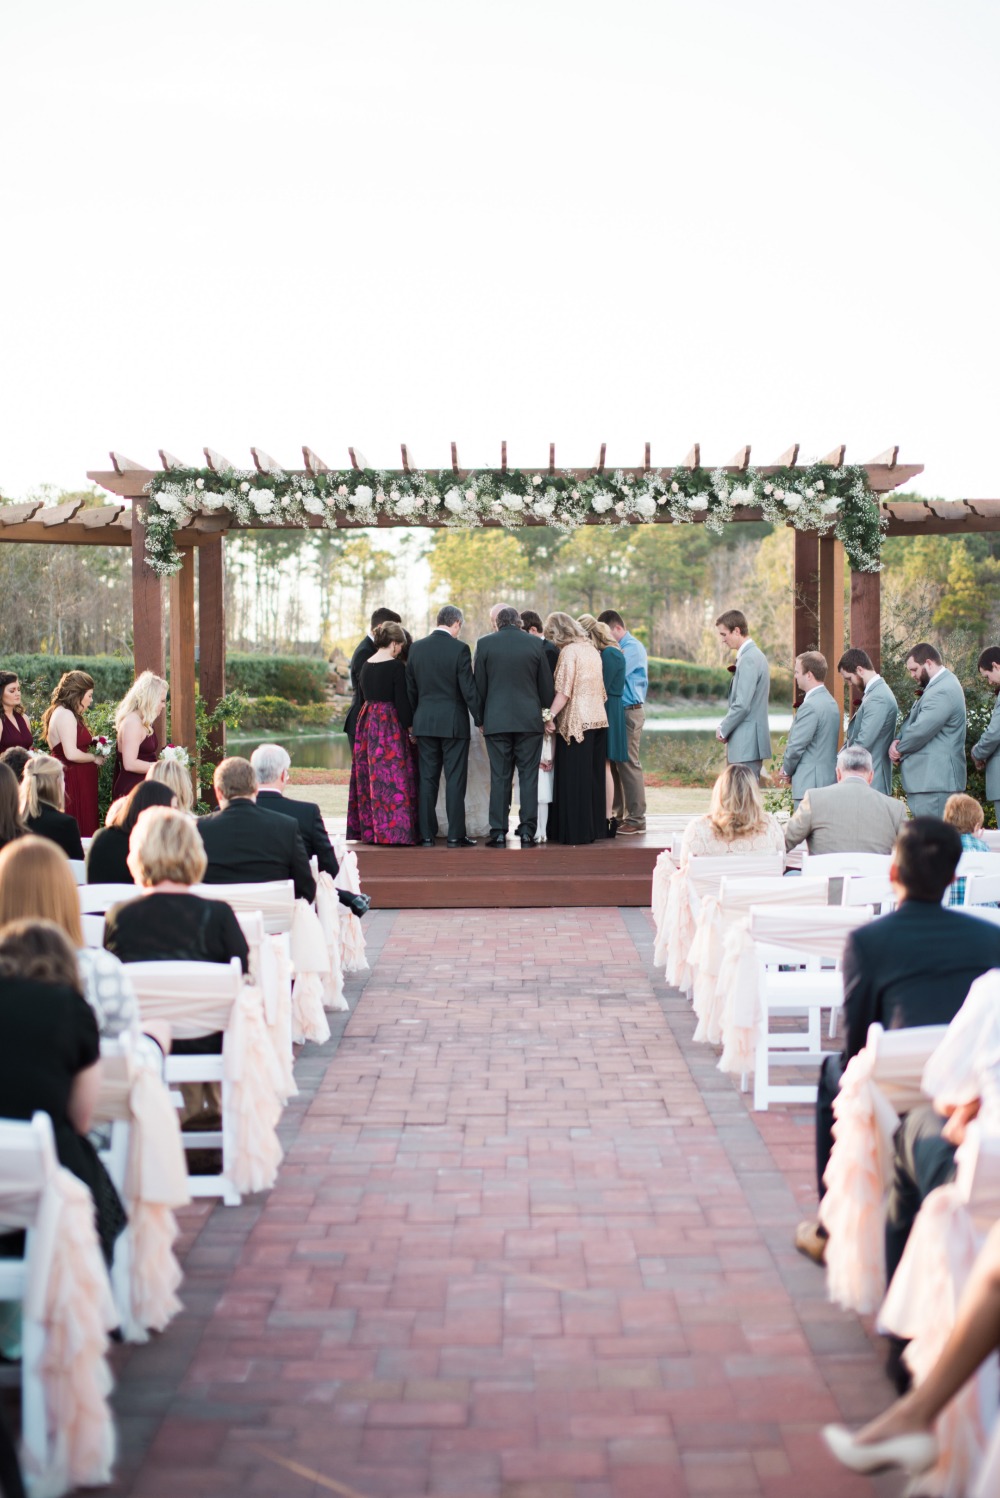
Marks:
<point>613,666</point>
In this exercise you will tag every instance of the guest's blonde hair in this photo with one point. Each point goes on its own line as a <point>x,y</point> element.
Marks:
<point>600,635</point>
<point>172,774</point>
<point>37,884</point>
<point>736,809</point>
<point>142,698</point>
<point>964,812</point>
<point>166,846</point>
<point>562,629</point>
<point>42,780</point>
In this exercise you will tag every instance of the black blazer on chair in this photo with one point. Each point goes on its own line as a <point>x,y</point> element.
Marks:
<point>310,824</point>
<point>59,827</point>
<point>913,967</point>
<point>248,845</point>
<point>363,652</point>
<point>513,680</point>
<point>441,688</point>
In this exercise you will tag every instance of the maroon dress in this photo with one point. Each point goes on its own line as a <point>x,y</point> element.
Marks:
<point>127,780</point>
<point>81,783</point>
<point>16,735</point>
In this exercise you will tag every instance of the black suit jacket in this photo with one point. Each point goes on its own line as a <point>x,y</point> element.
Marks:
<point>514,681</point>
<point>59,827</point>
<point>248,845</point>
<point>362,653</point>
<point>441,687</point>
<point>913,967</point>
<point>310,824</point>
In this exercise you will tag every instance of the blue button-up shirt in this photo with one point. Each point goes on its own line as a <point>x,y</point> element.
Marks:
<point>636,674</point>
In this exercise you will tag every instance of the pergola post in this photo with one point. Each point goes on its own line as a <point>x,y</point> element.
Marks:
<point>805,625</point>
<point>147,612</point>
<point>212,630</point>
<point>182,717</point>
<point>866,614</point>
<point>831,615</point>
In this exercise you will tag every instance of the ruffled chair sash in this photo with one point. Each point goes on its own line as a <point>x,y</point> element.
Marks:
<point>311,963</point>
<point>328,908</point>
<point>253,1107</point>
<point>352,937</point>
<point>665,867</point>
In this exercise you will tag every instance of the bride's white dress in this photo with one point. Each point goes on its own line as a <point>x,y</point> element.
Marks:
<point>477,793</point>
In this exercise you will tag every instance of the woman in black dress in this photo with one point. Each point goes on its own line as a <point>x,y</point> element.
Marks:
<point>15,730</point>
<point>382,801</point>
<point>42,803</point>
<point>50,1055</point>
<point>107,856</point>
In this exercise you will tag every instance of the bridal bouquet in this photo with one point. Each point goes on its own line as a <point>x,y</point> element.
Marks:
<point>101,747</point>
<point>178,753</point>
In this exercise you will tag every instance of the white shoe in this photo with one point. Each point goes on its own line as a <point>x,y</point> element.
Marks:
<point>912,1453</point>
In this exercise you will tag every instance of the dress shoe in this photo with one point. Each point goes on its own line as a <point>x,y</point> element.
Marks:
<point>913,1453</point>
<point>360,905</point>
<point>809,1240</point>
<point>529,842</point>
<point>461,842</point>
<point>496,841</point>
<point>427,842</point>
<point>612,826</point>
<point>630,829</point>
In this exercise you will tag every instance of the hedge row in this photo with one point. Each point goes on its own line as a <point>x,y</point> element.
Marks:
<point>278,713</point>
<point>300,678</point>
<point>704,683</point>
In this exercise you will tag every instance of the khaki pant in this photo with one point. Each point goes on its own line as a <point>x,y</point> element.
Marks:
<point>630,790</point>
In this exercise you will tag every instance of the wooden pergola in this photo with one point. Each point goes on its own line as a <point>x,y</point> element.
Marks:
<point>818,572</point>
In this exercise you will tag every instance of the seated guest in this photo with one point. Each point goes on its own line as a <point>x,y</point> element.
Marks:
<point>246,844</point>
<point>736,822</point>
<point>50,1056</point>
<point>911,967</point>
<point>11,825</point>
<point>271,764</point>
<point>42,802</point>
<point>965,813</point>
<point>170,772</point>
<point>36,883</point>
<point>848,817</point>
<point>107,856</point>
<point>16,758</point>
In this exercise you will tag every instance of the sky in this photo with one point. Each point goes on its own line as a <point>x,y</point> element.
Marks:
<point>322,222</point>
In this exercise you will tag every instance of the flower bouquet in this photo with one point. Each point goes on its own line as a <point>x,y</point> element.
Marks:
<point>101,747</point>
<point>178,753</point>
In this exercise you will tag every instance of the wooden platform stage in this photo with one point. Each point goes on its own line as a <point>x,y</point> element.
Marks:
<point>616,871</point>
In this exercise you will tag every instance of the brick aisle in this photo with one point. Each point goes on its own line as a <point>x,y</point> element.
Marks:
<point>527,1243</point>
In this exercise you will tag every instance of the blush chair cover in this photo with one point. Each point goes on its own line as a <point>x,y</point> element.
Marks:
<point>328,908</point>
<point>311,964</point>
<point>271,971</point>
<point>352,936</point>
<point>688,886</point>
<point>67,1298</point>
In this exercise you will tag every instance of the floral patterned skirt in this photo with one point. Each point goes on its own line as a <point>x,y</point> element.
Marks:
<point>382,803</point>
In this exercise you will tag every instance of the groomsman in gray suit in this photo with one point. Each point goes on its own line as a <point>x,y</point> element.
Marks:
<point>873,726</point>
<point>811,751</point>
<point>744,729</point>
<point>930,749</point>
<point>985,753</point>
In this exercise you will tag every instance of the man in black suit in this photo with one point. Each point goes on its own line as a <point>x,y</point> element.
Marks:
<point>515,688</point>
<point>532,624</point>
<point>443,693</point>
<point>271,765</point>
<point>913,967</point>
<point>246,844</point>
<point>363,652</point>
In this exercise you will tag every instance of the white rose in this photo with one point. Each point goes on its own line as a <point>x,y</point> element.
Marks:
<point>263,501</point>
<point>170,503</point>
<point>574,494</point>
<point>741,497</point>
<point>470,495</point>
<point>342,491</point>
<point>213,501</point>
<point>619,508</point>
<point>536,480</point>
<point>314,504</point>
<point>299,495</point>
<point>792,502</point>
<point>768,488</point>
<point>810,494</point>
<point>405,505</point>
<point>544,507</point>
<point>779,494</point>
<point>699,502</point>
<point>675,487</point>
<point>244,487</point>
<point>820,485</point>
<point>362,495</point>
<point>495,505</point>
<point>454,502</point>
<point>646,504</point>
<point>199,483</point>
<point>511,501</point>
<point>662,499</point>
<point>830,506</point>
<point>602,502</point>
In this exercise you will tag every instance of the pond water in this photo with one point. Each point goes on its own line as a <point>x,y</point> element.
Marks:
<point>668,744</point>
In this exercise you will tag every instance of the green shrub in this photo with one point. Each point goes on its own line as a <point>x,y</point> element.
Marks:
<point>271,712</point>
<point>113,675</point>
<point>298,678</point>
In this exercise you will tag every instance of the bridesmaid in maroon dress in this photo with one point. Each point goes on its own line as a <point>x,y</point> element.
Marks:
<point>137,744</point>
<point>69,738</point>
<point>15,730</point>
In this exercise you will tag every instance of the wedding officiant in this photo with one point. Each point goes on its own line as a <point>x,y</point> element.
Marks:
<point>442,692</point>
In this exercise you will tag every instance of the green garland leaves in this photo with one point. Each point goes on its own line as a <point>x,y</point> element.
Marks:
<point>816,498</point>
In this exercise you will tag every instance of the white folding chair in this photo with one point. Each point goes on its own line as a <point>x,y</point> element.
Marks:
<point>274,899</point>
<point>197,999</point>
<point>97,899</point>
<point>792,944</point>
<point>981,889</point>
<point>93,930</point>
<point>698,878</point>
<point>868,889</point>
<point>79,869</point>
<point>839,865</point>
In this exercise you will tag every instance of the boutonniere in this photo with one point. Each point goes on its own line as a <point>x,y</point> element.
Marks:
<point>856,703</point>
<point>731,669</point>
<point>919,692</point>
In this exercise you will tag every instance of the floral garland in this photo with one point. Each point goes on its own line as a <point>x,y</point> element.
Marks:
<point>815,498</point>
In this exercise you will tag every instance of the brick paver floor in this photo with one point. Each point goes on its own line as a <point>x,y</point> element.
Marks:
<point>527,1243</point>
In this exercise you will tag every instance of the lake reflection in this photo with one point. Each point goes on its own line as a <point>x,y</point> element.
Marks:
<point>667,743</point>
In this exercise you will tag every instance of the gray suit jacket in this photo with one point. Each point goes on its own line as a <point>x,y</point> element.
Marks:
<point>744,727</point>
<point>848,817</point>
<point>986,749</point>
<point>932,743</point>
<point>811,752</point>
<point>873,727</point>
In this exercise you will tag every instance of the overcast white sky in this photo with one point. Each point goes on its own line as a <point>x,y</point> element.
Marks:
<point>362,222</point>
